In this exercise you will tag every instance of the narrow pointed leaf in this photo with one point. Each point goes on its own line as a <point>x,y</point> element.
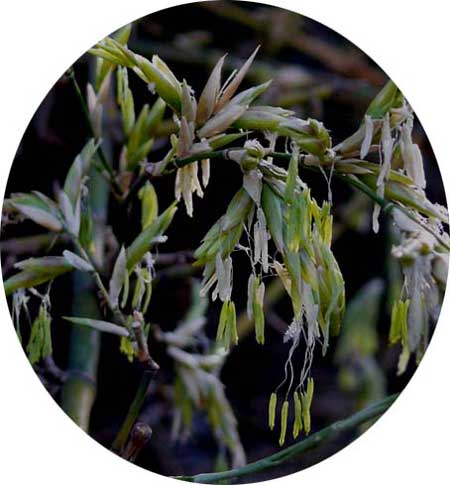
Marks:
<point>99,325</point>
<point>118,277</point>
<point>39,216</point>
<point>77,262</point>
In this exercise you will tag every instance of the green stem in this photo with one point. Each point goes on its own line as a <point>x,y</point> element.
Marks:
<point>133,412</point>
<point>79,390</point>
<point>388,206</point>
<point>361,417</point>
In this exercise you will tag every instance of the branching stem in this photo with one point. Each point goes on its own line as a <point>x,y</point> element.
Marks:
<point>133,413</point>
<point>386,205</point>
<point>316,439</point>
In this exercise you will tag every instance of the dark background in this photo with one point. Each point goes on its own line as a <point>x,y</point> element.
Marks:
<point>333,82</point>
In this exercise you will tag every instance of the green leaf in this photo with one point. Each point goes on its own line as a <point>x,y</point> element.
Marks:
<point>77,262</point>
<point>99,325</point>
<point>71,213</point>
<point>45,265</point>
<point>79,170</point>
<point>125,100</point>
<point>36,271</point>
<point>145,240</point>
<point>39,216</point>
<point>118,277</point>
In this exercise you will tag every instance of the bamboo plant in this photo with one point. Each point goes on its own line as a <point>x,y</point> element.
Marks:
<point>274,219</point>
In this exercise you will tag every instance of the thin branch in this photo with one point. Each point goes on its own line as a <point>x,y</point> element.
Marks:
<point>316,439</point>
<point>386,205</point>
<point>133,413</point>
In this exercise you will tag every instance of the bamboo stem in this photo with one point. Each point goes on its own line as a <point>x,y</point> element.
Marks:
<point>79,391</point>
<point>316,439</point>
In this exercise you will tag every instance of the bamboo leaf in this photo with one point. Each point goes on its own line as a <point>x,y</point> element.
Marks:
<point>77,262</point>
<point>45,265</point>
<point>99,325</point>
<point>72,214</point>
<point>39,216</point>
<point>118,277</point>
<point>146,238</point>
<point>79,169</point>
<point>36,271</point>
